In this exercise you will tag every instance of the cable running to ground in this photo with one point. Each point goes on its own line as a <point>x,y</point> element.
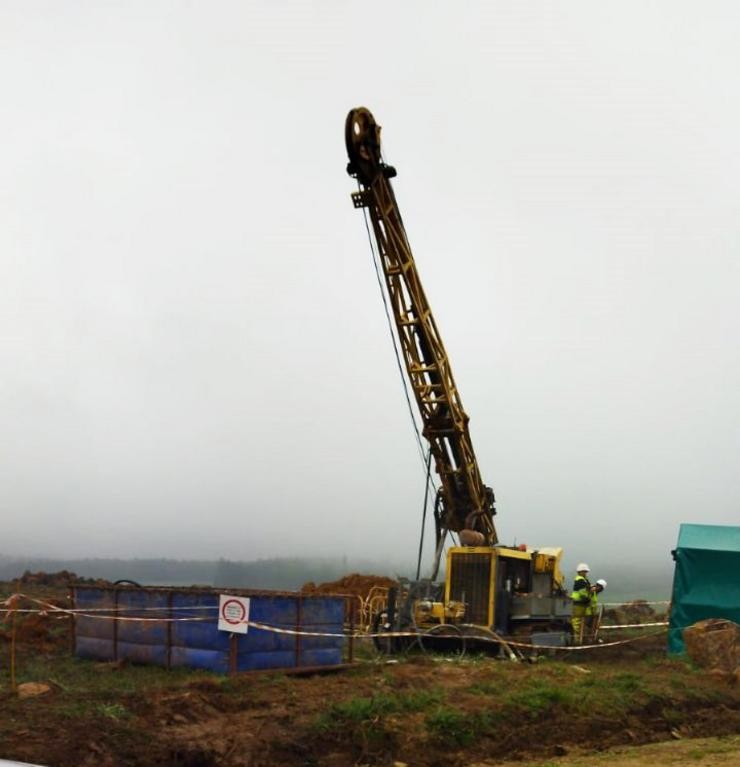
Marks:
<point>377,267</point>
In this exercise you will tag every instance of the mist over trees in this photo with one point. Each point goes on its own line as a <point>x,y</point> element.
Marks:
<point>286,574</point>
<point>627,580</point>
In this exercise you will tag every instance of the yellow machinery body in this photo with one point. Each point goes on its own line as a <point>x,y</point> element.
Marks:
<point>509,590</point>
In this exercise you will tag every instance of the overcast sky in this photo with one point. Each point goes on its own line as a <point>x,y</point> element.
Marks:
<point>195,359</point>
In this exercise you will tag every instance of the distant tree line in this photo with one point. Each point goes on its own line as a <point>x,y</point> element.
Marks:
<point>281,574</point>
<point>626,580</point>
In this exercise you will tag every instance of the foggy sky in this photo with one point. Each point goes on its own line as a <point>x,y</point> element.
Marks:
<point>195,359</point>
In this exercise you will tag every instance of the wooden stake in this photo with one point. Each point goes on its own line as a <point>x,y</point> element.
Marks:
<point>13,685</point>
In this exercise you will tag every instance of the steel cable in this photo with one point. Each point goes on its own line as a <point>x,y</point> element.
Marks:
<point>377,267</point>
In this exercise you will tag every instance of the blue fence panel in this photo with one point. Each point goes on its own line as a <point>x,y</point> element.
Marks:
<point>94,600</point>
<point>140,652</point>
<point>321,657</point>
<point>195,657</point>
<point>253,661</point>
<point>91,648</point>
<point>277,612</point>
<point>324,616</point>
<point>140,604</point>
<point>94,635</point>
<point>199,643</point>
<point>201,633</point>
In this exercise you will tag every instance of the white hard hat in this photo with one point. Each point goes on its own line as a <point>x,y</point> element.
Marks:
<point>601,582</point>
<point>583,567</point>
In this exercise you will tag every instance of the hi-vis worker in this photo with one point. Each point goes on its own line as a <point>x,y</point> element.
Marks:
<point>581,599</point>
<point>593,612</point>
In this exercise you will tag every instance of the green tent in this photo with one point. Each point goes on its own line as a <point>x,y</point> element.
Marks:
<point>706,582</point>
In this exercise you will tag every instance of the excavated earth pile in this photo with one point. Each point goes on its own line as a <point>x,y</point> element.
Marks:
<point>638,611</point>
<point>356,585</point>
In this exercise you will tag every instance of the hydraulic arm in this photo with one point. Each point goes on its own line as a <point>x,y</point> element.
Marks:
<point>464,503</point>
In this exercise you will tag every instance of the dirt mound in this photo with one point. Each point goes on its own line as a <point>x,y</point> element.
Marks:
<point>354,584</point>
<point>638,611</point>
<point>33,628</point>
<point>42,631</point>
<point>60,579</point>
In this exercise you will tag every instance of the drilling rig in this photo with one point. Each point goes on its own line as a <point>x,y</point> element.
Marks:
<point>507,590</point>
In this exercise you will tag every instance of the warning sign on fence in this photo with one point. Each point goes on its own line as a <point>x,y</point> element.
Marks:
<point>233,614</point>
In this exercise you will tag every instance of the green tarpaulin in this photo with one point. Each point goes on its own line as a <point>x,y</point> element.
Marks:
<point>706,582</point>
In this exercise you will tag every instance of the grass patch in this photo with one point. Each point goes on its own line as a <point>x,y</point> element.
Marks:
<point>538,699</point>
<point>420,700</point>
<point>613,693</point>
<point>623,682</point>
<point>93,707</point>
<point>451,725</point>
<point>538,695</point>
<point>713,748</point>
<point>357,711</point>
<point>627,682</point>
<point>113,711</point>
<point>88,690</point>
<point>364,721</point>
<point>99,678</point>
<point>673,717</point>
<point>487,687</point>
<point>678,683</point>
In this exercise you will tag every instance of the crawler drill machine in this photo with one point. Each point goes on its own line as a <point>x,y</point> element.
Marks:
<point>511,591</point>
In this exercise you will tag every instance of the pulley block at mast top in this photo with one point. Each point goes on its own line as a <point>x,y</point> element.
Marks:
<point>362,137</point>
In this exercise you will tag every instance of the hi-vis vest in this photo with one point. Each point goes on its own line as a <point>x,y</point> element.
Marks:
<point>593,604</point>
<point>581,591</point>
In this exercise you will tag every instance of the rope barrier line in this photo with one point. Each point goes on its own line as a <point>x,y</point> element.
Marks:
<point>477,637</point>
<point>633,625</point>
<point>62,611</point>
<point>85,610</point>
<point>215,607</point>
<point>48,607</point>
<point>635,602</point>
<point>573,648</point>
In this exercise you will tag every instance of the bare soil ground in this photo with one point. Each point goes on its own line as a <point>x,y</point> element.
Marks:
<point>422,709</point>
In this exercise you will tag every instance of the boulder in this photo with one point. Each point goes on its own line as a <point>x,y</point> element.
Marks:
<point>33,689</point>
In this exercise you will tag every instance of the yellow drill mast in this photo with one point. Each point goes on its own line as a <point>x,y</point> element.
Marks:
<point>464,504</point>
